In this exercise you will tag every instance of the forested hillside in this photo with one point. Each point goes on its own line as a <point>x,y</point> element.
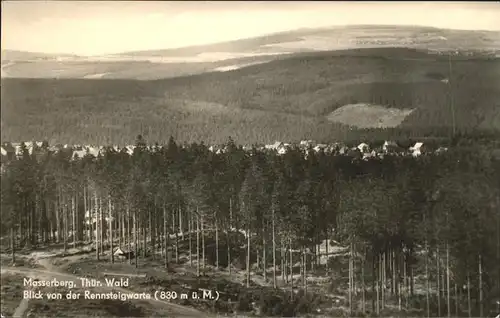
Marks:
<point>288,99</point>
<point>422,232</point>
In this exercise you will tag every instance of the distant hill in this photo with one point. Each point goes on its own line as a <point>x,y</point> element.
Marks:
<point>158,64</point>
<point>323,96</point>
<point>14,55</point>
<point>346,37</point>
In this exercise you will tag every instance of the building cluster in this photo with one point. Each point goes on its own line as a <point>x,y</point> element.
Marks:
<point>361,151</point>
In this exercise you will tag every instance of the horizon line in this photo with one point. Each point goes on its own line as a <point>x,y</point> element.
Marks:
<point>252,37</point>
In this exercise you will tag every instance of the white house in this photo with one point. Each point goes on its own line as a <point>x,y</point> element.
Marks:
<point>306,143</point>
<point>416,150</point>
<point>78,154</point>
<point>282,148</point>
<point>343,150</point>
<point>94,151</point>
<point>120,254</point>
<point>389,146</point>
<point>274,146</point>
<point>371,154</point>
<point>319,147</point>
<point>19,151</point>
<point>130,149</point>
<point>362,147</point>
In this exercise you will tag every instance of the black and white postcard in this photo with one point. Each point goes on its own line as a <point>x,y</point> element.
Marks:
<point>250,159</point>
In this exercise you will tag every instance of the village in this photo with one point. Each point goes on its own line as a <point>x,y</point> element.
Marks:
<point>362,151</point>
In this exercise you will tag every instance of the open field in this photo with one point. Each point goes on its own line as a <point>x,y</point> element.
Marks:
<point>369,116</point>
<point>157,64</point>
<point>285,99</point>
<point>123,68</point>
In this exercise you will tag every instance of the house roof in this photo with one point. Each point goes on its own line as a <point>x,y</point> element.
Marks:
<point>418,145</point>
<point>277,144</point>
<point>118,251</point>
<point>362,145</point>
<point>390,143</point>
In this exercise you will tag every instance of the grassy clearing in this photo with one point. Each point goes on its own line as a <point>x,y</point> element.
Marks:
<point>11,292</point>
<point>369,116</point>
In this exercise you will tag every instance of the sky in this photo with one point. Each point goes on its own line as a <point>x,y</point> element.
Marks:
<point>105,27</point>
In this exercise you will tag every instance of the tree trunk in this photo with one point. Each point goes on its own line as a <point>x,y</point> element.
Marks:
<point>144,234</point>
<point>378,293</point>
<point>469,308</point>
<point>228,236</point>
<point>13,243</point>
<point>58,219</point>
<point>350,280</point>
<point>393,271</point>
<point>203,259</point>
<point>216,243</point>
<point>248,256</point>
<point>498,246</point>
<point>73,209</point>
<point>128,235</point>
<point>258,257</point>
<point>363,286</point>
<point>102,228</point>
<point>327,252</point>
<point>177,236</point>
<point>65,225</point>
<point>291,266</point>
<point>111,230</point>
<point>264,263</point>
<point>481,309</point>
<point>438,282</point>
<point>197,244</point>
<point>85,211</point>
<point>274,253</point>
<point>136,238</point>
<point>412,280</point>
<point>381,281</point>
<point>165,236</point>
<point>304,256</point>
<point>181,229</point>
<point>96,226</point>
<point>373,280</point>
<point>121,229</point>
<point>191,229</point>
<point>427,285</point>
<point>151,230</point>
<point>399,285</point>
<point>448,303</point>
<point>283,266</point>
